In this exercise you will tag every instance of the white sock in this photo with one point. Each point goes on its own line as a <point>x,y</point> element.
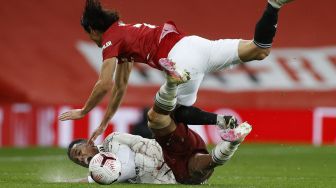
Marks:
<point>166,97</point>
<point>275,4</point>
<point>223,152</point>
<point>168,90</point>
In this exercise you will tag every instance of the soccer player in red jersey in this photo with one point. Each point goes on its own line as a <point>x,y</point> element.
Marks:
<point>165,47</point>
<point>183,149</point>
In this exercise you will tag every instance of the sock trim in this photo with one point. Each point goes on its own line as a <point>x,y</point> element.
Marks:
<point>215,159</point>
<point>275,4</point>
<point>261,45</point>
<point>164,106</point>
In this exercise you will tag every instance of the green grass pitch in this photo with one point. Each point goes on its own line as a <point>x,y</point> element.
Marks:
<point>254,165</point>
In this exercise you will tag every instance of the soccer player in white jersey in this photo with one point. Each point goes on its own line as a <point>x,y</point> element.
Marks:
<point>141,159</point>
<point>161,47</point>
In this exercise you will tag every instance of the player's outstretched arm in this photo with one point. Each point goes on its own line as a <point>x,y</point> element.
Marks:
<point>103,85</point>
<point>118,91</point>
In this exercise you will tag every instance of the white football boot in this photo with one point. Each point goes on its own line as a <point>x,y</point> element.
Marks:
<point>174,75</point>
<point>232,138</point>
<point>236,135</point>
<point>278,3</point>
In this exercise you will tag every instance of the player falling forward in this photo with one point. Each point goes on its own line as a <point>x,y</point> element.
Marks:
<point>163,47</point>
<point>177,154</point>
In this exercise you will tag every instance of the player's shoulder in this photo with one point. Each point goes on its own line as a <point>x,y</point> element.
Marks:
<point>120,26</point>
<point>112,135</point>
<point>116,30</point>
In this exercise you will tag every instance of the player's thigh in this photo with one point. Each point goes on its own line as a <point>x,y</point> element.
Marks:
<point>224,53</point>
<point>200,166</point>
<point>187,92</point>
<point>191,54</point>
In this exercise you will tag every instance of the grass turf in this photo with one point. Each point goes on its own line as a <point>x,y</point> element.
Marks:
<point>264,166</point>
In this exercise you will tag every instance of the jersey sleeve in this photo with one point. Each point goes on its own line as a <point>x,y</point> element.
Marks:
<point>111,49</point>
<point>122,138</point>
<point>138,144</point>
<point>113,40</point>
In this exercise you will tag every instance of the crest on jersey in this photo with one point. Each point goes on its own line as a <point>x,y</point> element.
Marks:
<point>107,44</point>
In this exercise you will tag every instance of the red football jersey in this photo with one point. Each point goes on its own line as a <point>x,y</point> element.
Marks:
<point>140,42</point>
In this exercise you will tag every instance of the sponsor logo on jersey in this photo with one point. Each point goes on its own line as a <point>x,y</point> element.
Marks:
<point>107,44</point>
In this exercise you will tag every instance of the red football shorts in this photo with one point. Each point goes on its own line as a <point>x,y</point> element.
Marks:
<point>178,147</point>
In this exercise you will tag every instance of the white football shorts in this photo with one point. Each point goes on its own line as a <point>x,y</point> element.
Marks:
<point>200,56</point>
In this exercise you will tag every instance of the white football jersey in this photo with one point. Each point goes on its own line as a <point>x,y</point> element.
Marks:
<point>142,159</point>
<point>125,156</point>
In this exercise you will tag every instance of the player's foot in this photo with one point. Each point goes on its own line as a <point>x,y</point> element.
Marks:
<point>174,75</point>
<point>278,3</point>
<point>236,135</point>
<point>226,122</point>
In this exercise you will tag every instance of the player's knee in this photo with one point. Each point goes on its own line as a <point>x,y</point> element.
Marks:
<point>152,116</point>
<point>262,53</point>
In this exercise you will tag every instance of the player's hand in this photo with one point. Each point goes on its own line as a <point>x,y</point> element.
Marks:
<point>95,134</point>
<point>71,115</point>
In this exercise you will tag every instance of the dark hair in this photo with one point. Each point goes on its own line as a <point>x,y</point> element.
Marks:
<point>96,18</point>
<point>71,145</point>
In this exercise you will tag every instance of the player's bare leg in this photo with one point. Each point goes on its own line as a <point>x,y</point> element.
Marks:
<point>259,47</point>
<point>248,50</point>
<point>201,166</point>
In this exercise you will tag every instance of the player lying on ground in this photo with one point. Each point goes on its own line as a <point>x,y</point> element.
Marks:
<point>142,160</point>
<point>160,47</point>
<point>175,145</point>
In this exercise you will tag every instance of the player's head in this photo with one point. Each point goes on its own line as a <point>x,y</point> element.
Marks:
<point>81,153</point>
<point>96,20</point>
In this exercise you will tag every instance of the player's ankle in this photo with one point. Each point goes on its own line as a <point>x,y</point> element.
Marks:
<point>220,120</point>
<point>223,152</point>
